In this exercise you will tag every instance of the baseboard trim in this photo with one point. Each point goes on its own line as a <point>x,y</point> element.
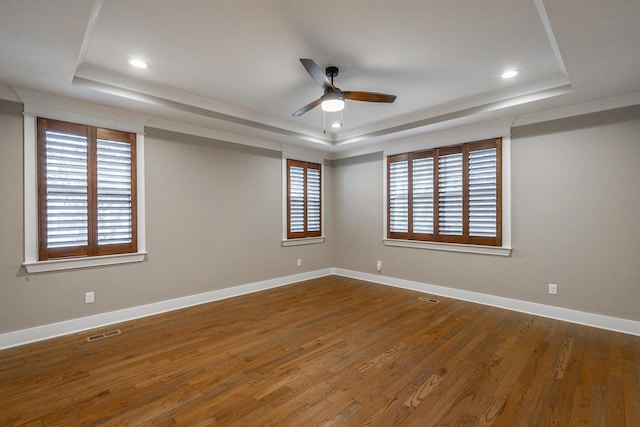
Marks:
<point>574,316</point>
<point>40,333</point>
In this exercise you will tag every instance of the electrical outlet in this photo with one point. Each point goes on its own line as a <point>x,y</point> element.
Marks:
<point>379,265</point>
<point>89,297</point>
<point>299,262</point>
<point>553,289</point>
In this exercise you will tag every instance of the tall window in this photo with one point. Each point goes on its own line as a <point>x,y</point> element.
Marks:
<point>450,194</point>
<point>86,190</point>
<point>303,199</point>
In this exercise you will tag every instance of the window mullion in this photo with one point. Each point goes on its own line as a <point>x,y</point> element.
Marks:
<point>305,199</point>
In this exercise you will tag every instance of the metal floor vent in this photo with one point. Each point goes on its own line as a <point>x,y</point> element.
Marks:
<point>427,299</point>
<point>104,335</point>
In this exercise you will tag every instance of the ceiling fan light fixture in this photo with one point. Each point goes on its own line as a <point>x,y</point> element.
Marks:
<point>332,102</point>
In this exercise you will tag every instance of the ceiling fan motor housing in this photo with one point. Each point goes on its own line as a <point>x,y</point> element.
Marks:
<point>332,72</point>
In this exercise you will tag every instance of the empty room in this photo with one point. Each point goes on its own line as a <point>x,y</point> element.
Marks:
<point>303,213</point>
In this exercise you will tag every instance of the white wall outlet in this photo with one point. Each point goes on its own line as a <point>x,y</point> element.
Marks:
<point>553,289</point>
<point>89,298</point>
<point>299,262</point>
<point>379,265</point>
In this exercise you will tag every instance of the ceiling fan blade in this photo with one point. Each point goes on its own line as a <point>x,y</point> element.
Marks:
<point>368,96</point>
<point>316,73</point>
<point>307,107</point>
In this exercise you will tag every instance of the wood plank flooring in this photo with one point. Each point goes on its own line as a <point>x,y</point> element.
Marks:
<point>328,352</point>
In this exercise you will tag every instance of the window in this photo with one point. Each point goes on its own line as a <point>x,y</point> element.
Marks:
<point>450,194</point>
<point>304,217</point>
<point>86,190</point>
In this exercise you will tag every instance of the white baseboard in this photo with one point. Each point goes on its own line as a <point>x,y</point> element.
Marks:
<point>574,316</point>
<point>39,333</point>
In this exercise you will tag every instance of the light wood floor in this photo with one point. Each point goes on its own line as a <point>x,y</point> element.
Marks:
<point>330,351</point>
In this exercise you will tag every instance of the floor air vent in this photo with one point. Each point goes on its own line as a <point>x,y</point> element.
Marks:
<point>427,299</point>
<point>104,335</point>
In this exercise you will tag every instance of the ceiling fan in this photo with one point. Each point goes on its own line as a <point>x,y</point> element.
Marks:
<point>333,98</point>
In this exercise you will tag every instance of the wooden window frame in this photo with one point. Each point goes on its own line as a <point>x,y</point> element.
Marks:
<point>92,134</point>
<point>306,233</point>
<point>465,238</point>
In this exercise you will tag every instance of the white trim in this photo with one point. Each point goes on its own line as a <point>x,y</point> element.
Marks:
<point>454,136</point>
<point>574,110</point>
<point>616,324</point>
<point>30,190</point>
<point>303,241</point>
<point>39,333</point>
<point>141,195</point>
<point>546,23</point>
<point>302,154</point>
<point>73,263</point>
<point>449,247</point>
<point>70,115</point>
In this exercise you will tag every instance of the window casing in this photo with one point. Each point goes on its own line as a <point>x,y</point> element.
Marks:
<point>449,194</point>
<point>304,199</point>
<point>86,190</point>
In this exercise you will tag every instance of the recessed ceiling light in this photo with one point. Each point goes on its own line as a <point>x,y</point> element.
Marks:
<point>336,125</point>
<point>138,63</point>
<point>509,74</point>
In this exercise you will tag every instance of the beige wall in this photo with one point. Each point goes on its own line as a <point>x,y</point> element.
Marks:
<point>576,220</point>
<point>214,220</point>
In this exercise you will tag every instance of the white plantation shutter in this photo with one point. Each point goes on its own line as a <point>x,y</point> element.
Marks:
<point>114,192</point>
<point>450,194</point>
<point>422,179</point>
<point>67,205</point>
<point>399,196</point>
<point>313,199</point>
<point>304,216</point>
<point>483,195</point>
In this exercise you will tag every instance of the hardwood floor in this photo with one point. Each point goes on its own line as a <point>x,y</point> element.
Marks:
<point>331,351</point>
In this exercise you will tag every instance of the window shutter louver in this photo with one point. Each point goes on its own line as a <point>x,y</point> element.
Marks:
<point>313,200</point>
<point>67,205</point>
<point>86,190</point>
<point>399,196</point>
<point>304,199</point>
<point>483,193</point>
<point>114,192</point>
<point>422,179</point>
<point>450,194</point>
<point>296,199</point>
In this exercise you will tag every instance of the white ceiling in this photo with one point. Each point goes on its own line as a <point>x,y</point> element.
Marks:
<point>233,65</point>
